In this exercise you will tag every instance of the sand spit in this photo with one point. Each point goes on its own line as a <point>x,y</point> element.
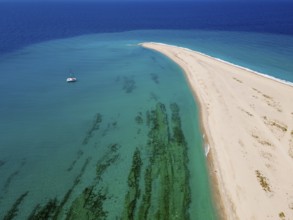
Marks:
<point>248,124</point>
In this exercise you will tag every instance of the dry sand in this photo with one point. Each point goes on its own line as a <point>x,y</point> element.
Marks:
<point>248,123</point>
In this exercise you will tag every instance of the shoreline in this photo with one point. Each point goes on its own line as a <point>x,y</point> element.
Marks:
<point>229,63</point>
<point>234,199</point>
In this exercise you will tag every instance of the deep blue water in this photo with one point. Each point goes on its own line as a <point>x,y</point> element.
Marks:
<point>26,23</point>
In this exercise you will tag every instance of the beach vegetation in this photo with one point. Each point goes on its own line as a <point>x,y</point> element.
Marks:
<point>256,90</point>
<point>281,127</point>
<point>278,125</point>
<point>261,140</point>
<point>267,97</point>
<point>282,215</point>
<point>255,136</point>
<point>263,181</point>
<point>265,142</point>
<point>238,80</point>
<point>247,112</point>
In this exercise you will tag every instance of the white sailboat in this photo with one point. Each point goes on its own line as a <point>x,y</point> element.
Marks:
<point>71,78</point>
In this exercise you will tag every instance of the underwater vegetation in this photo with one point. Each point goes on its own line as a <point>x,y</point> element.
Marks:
<point>128,84</point>
<point>54,209</point>
<point>12,176</point>
<point>157,62</point>
<point>110,126</point>
<point>139,118</point>
<point>14,209</point>
<point>157,184</point>
<point>155,78</point>
<point>164,191</point>
<point>79,155</point>
<point>2,162</point>
<point>96,125</point>
<point>46,212</point>
<point>89,204</point>
<point>9,179</point>
<point>154,97</point>
<point>132,196</point>
<point>108,159</point>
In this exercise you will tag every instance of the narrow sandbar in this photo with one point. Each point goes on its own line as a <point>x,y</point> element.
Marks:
<point>248,124</point>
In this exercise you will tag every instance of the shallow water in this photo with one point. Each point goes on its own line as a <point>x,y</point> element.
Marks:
<point>72,141</point>
<point>77,141</point>
<point>55,136</point>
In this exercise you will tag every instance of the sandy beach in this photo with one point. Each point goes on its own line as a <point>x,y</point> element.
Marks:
<point>247,120</point>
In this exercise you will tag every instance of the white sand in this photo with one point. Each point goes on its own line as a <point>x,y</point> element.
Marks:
<point>248,124</point>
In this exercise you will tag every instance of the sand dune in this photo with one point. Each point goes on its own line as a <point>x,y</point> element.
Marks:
<point>248,123</point>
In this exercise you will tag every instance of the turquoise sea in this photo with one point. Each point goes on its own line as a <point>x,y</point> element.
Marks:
<point>124,141</point>
<point>46,121</point>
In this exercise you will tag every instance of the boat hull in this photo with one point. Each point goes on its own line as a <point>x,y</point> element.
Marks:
<point>71,79</point>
